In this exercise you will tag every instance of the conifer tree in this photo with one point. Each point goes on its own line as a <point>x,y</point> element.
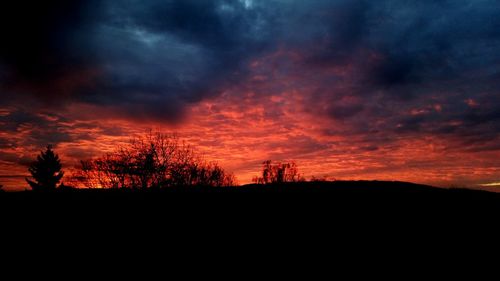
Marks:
<point>46,171</point>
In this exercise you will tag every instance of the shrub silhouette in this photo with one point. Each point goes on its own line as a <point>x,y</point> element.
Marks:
<point>152,162</point>
<point>277,172</point>
<point>46,171</point>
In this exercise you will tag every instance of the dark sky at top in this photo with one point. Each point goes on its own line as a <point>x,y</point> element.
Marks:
<point>373,70</point>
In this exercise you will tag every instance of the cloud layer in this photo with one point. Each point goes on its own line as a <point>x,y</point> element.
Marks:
<point>360,81</point>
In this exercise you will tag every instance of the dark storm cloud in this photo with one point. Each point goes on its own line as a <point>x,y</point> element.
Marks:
<point>417,42</point>
<point>341,28</point>
<point>147,57</point>
<point>344,111</point>
<point>159,56</point>
<point>41,39</point>
<point>417,66</point>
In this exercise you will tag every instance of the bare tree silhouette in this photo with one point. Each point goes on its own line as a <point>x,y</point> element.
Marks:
<point>277,172</point>
<point>152,162</point>
<point>46,171</point>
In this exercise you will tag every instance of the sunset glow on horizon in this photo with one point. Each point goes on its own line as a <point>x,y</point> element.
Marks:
<point>351,90</point>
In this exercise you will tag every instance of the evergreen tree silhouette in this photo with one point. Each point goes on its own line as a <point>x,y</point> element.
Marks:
<point>46,171</point>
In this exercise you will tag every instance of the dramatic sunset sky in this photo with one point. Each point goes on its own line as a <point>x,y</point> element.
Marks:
<point>350,89</point>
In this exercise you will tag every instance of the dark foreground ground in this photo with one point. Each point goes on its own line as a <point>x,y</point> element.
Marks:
<point>353,210</point>
<point>313,195</point>
<point>299,225</point>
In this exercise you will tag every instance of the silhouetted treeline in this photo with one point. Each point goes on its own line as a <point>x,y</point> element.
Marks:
<point>45,171</point>
<point>154,161</point>
<point>277,172</point>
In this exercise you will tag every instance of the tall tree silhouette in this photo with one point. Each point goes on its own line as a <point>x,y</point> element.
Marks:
<point>46,171</point>
<point>152,161</point>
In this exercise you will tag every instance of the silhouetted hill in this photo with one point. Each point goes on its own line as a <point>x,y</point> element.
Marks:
<point>300,221</point>
<point>372,193</point>
<point>318,208</point>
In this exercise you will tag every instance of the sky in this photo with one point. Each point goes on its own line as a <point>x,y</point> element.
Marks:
<point>349,89</point>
